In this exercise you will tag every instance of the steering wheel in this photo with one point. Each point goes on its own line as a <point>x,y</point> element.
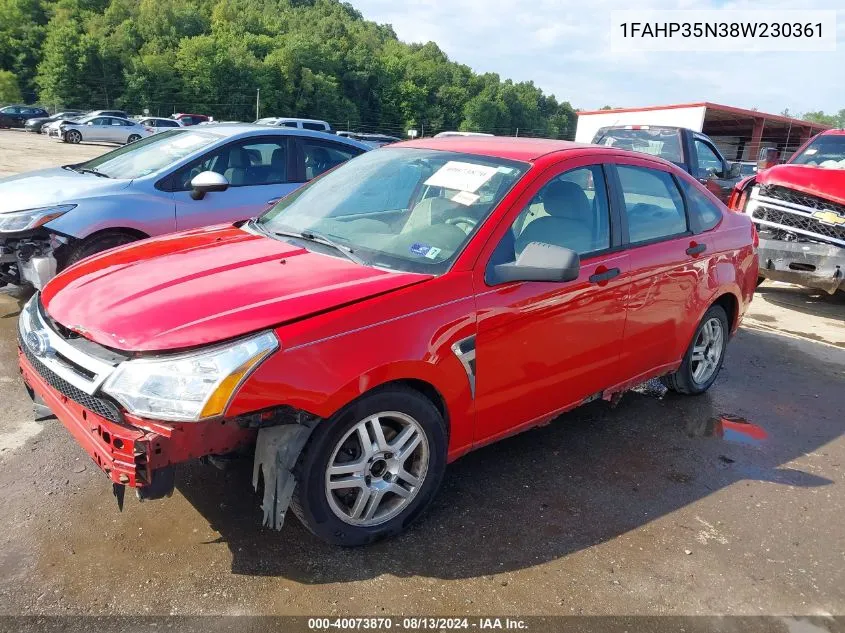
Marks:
<point>462,219</point>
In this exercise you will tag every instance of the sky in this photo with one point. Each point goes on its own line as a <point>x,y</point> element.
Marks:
<point>564,48</point>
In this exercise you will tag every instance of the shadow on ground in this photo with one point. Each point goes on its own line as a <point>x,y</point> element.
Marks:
<point>592,475</point>
<point>805,300</point>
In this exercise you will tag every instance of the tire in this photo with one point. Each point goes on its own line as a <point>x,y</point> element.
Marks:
<point>132,138</point>
<point>329,512</point>
<point>73,137</point>
<point>687,379</point>
<point>760,280</point>
<point>97,244</point>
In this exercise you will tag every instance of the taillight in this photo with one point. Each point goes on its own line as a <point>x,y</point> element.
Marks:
<point>755,236</point>
<point>739,195</point>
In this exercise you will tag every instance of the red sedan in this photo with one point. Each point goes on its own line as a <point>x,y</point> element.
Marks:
<point>418,302</point>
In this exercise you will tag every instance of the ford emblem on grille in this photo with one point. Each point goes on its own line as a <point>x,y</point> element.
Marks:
<point>39,343</point>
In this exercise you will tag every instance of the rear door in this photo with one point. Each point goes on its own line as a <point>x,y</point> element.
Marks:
<point>259,170</point>
<point>667,263</point>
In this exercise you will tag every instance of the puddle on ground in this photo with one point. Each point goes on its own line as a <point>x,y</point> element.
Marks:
<point>731,428</point>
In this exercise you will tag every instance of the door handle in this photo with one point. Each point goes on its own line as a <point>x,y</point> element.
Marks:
<point>604,276</point>
<point>696,249</point>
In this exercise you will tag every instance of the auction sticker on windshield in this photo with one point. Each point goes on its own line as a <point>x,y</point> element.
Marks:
<point>461,176</point>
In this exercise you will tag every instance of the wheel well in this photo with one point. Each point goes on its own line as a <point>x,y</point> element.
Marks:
<point>140,235</point>
<point>731,307</point>
<point>426,389</point>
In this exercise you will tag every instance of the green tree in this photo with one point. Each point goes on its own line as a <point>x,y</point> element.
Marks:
<point>9,90</point>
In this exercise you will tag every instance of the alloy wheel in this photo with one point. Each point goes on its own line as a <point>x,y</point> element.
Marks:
<point>707,351</point>
<point>377,469</point>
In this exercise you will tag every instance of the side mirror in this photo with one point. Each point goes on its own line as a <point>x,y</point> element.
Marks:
<point>540,262</point>
<point>206,182</point>
<point>90,123</point>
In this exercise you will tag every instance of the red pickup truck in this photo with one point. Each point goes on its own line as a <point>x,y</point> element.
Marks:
<point>799,211</point>
<point>417,302</point>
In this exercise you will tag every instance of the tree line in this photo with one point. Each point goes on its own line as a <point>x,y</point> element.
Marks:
<point>308,58</point>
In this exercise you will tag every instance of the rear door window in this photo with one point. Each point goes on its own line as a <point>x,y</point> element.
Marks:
<point>320,156</point>
<point>653,204</point>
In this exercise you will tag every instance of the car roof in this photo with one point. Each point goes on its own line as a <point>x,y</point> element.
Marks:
<point>234,130</point>
<point>507,147</point>
<point>837,132</point>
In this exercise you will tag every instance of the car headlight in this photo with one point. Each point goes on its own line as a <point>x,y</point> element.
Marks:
<point>188,387</point>
<point>31,218</point>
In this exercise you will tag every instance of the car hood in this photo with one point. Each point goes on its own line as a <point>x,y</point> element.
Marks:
<point>199,287</point>
<point>53,186</point>
<point>817,181</point>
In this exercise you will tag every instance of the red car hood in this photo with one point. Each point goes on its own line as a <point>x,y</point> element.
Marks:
<point>204,286</point>
<point>818,181</point>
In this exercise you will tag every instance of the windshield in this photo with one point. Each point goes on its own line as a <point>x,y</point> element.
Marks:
<point>826,151</point>
<point>655,141</point>
<point>151,154</point>
<point>399,208</point>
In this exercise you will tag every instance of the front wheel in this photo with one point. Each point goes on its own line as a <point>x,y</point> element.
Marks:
<point>73,136</point>
<point>132,138</point>
<point>372,468</point>
<point>704,356</point>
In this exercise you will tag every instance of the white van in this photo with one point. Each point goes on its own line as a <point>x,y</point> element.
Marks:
<point>301,124</point>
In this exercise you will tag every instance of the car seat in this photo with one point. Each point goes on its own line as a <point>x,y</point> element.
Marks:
<point>238,163</point>
<point>569,222</point>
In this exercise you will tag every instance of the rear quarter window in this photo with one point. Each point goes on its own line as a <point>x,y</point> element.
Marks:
<point>704,213</point>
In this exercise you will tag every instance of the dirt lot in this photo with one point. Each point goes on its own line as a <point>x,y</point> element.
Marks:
<point>632,510</point>
<point>22,151</point>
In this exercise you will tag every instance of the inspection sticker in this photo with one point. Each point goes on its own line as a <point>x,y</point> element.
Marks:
<point>418,248</point>
<point>461,176</point>
<point>465,198</point>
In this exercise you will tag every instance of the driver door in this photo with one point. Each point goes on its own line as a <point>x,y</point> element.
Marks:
<point>711,171</point>
<point>260,171</point>
<point>543,347</point>
<point>98,129</point>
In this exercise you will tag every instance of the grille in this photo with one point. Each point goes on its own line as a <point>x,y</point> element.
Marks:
<point>802,199</point>
<point>793,220</point>
<point>100,406</point>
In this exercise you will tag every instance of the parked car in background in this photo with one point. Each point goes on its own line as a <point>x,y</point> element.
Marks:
<point>373,140</point>
<point>109,129</point>
<point>158,124</point>
<point>747,168</point>
<point>173,180</point>
<point>799,210</point>
<point>48,128</point>
<point>118,113</point>
<point>17,115</point>
<point>36,124</point>
<point>420,301</point>
<point>190,119</point>
<point>300,124</point>
<point>692,151</point>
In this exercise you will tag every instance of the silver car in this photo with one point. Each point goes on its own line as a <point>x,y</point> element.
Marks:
<point>171,181</point>
<point>159,124</point>
<point>110,129</point>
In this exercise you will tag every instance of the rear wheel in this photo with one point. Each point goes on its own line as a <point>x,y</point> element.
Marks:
<point>132,138</point>
<point>705,355</point>
<point>371,469</point>
<point>73,136</point>
<point>97,244</point>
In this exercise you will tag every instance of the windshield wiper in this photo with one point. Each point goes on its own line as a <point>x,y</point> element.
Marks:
<point>319,238</point>
<point>90,170</point>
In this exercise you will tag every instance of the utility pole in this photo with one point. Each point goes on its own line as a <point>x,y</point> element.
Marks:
<point>517,132</point>
<point>257,102</point>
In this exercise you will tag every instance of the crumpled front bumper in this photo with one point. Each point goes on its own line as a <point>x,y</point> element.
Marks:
<point>36,269</point>
<point>137,453</point>
<point>808,264</point>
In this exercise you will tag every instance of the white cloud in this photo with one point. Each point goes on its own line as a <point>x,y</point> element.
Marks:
<point>564,47</point>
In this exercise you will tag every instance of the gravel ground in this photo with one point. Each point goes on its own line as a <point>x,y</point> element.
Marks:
<point>637,509</point>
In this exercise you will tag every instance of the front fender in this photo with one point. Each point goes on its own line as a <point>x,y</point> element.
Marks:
<point>354,355</point>
<point>150,214</point>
